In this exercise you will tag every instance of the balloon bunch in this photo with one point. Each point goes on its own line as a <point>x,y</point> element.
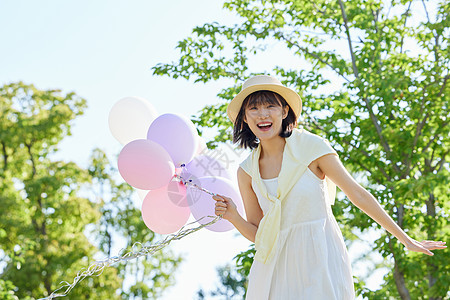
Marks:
<point>165,157</point>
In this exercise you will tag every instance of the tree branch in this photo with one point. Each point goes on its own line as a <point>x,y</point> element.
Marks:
<point>440,164</point>
<point>378,129</point>
<point>416,137</point>
<point>436,134</point>
<point>426,11</point>
<point>363,152</point>
<point>399,277</point>
<point>404,25</point>
<point>33,164</point>
<point>389,11</point>
<point>431,235</point>
<point>41,228</point>
<point>5,157</point>
<point>347,31</point>
<point>304,49</point>
<point>443,85</point>
<point>432,157</point>
<point>377,31</point>
<point>420,127</point>
<point>383,142</point>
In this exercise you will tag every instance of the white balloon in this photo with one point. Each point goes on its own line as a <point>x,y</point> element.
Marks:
<point>201,145</point>
<point>130,118</point>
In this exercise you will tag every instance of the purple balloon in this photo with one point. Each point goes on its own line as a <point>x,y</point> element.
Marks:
<point>177,135</point>
<point>202,204</point>
<point>145,165</point>
<point>204,165</point>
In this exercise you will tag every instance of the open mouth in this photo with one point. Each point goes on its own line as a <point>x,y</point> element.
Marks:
<point>264,126</point>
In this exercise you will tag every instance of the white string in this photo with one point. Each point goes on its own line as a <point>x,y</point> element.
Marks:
<point>137,250</point>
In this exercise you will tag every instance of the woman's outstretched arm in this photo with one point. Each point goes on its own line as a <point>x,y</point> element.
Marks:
<point>359,196</point>
<point>226,207</point>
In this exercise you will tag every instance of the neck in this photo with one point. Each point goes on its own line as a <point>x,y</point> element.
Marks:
<point>273,147</point>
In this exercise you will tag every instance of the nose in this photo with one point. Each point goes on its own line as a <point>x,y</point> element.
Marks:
<point>263,112</point>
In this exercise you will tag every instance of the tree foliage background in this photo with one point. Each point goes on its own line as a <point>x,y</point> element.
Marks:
<point>374,80</point>
<point>57,217</point>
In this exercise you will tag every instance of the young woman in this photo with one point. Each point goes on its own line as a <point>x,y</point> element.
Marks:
<point>287,184</point>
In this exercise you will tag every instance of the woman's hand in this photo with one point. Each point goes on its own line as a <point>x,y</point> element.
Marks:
<point>424,246</point>
<point>225,207</point>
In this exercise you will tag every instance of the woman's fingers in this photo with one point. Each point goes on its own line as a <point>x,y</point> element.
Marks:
<point>222,198</point>
<point>221,206</point>
<point>427,252</point>
<point>433,245</point>
<point>225,207</point>
<point>426,246</point>
<point>422,248</point>
<point>217,198</point>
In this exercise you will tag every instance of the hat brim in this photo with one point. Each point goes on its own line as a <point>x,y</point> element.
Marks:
<point>291,97</point>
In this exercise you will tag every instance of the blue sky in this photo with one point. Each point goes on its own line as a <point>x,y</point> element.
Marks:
<point>104,51</point>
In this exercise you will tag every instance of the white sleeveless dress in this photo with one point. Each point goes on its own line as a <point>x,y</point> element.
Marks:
<point>311,261</point>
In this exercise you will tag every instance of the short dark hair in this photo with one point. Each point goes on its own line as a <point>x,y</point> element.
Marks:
<point>242,133</point>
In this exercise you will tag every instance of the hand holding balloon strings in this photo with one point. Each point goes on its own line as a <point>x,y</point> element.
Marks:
<point>156,150</point>
<point>137,250</point>
<point>225,207</point>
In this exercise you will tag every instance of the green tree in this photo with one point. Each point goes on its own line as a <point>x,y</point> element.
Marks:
<point>233,281</point>
<point>120,217</point>
<point>374,80</point>
<point>7,291</point>
<point>44,230</point>
<point>45,217</point>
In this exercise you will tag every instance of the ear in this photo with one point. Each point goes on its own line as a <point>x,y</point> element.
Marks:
<point>285,112</point>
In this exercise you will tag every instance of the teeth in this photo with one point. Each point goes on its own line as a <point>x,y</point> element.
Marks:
<point>264,124</point>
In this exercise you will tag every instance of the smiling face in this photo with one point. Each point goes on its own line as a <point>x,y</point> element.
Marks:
<point>264,114</point>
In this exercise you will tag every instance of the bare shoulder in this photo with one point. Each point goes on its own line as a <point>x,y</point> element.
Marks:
<point>252,209</point>
<point>245,186</point>
<point>242,175</point>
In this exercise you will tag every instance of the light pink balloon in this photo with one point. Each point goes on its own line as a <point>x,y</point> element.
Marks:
<point>177,134</point>
<point>145,165</point>
<point>202,204</point>
<point>165,210</point>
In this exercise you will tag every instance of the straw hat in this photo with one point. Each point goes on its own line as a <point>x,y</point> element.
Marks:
<point>264,83</point>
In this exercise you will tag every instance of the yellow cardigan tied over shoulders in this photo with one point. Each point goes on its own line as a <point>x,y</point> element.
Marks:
<point>301,148</point>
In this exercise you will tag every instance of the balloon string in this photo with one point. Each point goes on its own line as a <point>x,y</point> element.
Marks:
<point>189,182</point>
<point>137,250</point>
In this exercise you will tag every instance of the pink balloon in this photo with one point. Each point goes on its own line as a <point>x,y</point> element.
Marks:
<point>165,210</point>
<point>145,165</point>
<point>202,204</point>
<point>177,135</point>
